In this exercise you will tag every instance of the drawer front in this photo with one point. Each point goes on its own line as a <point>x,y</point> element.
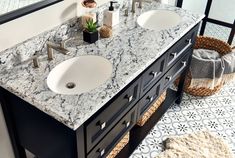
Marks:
<point>112,138</point>
<point>101,124</point>
<point>153,74</point>
<point>145,103</point>
<point>176,70</point>
<point>180,47</point>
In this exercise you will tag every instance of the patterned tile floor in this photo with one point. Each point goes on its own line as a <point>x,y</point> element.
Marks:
<point>215,113</point>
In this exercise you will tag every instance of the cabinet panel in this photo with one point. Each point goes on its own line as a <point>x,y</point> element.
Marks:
<point>183,45</point>
<point>149,98</point>
<point>98,127</point>
<point>112,138</point>
<point>176,70</point>
<point>153,74</point>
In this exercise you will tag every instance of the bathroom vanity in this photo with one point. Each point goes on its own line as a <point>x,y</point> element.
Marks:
<point>89,125</point>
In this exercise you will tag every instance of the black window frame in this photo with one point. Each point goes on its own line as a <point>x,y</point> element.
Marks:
<point>26,10</point>
<point>179,3</point>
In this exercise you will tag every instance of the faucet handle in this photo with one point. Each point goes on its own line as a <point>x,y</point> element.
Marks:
<point>35,61</point>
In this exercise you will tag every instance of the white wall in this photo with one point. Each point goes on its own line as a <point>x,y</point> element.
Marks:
<point>25,27</point>
<point>5,144</point>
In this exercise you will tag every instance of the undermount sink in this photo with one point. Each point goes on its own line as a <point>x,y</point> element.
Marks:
<point>79,74</point>
<point>158,19</point>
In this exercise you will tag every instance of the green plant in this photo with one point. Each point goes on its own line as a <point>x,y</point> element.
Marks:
<point>91,26</point>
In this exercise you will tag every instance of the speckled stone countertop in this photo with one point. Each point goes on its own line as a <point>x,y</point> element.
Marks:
<point>131,50</point>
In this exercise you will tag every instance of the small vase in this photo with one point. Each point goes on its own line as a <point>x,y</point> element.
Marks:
<point>90,37</point>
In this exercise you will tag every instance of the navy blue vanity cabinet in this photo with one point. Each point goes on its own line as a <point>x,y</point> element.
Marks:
<point>153,74</point>
<point>183,45</point>
<point>100,125</point>
<point>32,129</point>
<point>115,135</point>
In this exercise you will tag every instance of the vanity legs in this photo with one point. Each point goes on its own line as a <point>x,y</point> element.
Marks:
<point>19,151</point>
<point>182,80</point>
<point>37,132</point>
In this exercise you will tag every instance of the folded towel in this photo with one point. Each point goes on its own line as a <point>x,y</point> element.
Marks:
<point>206,69</point>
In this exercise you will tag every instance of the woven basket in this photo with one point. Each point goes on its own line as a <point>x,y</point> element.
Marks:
<point>124,141</point>
<point>212,44</point>
<point>151,110</point>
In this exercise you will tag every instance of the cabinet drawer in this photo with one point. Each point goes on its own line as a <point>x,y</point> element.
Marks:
<point>176,70</point>
<point>153,74</point>
<point>112,138</point>
<point>181,47</point>
<point>149,98</point>
<point>101,124</point>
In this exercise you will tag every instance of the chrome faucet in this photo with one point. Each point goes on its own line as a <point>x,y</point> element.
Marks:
<point>140,4</point>
<point>58,47</point>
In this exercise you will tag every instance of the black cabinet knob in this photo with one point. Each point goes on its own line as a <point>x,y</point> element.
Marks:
<point>174,55</point>
<point>127,123</point>
<point>154,74</point>
<point>184,63</point>
<point>150,98</point>
<point>189,41</point>
<point>130,98</point>
<point>168,78</point>
<point>101,124</point>
<point>101,152</point>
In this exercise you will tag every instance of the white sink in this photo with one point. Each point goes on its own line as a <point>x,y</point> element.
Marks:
<point>79,74</point>
<point>158,19</point>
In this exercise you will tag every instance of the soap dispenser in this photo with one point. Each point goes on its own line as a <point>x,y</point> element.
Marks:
<point>111,16</point>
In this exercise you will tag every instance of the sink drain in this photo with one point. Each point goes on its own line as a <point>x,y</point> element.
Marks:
<point>70,85</point>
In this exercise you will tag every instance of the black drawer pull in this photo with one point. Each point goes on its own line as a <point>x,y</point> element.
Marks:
<point>127,123</point>
<point>101,124</point>
<point>174,54</point>
<point>130,98</point>
<point>150,98</point>
<point>101,152</point>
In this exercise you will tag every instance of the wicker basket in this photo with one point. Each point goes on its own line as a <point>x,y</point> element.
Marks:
<point>206,43</point>
<point>124,141</point>
<point>151,110</point>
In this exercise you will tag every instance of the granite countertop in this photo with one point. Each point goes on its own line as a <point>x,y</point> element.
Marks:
<point>131,50</point>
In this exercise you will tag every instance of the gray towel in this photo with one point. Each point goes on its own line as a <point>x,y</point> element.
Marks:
<point>206,69</point>
<point>229,62</point>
